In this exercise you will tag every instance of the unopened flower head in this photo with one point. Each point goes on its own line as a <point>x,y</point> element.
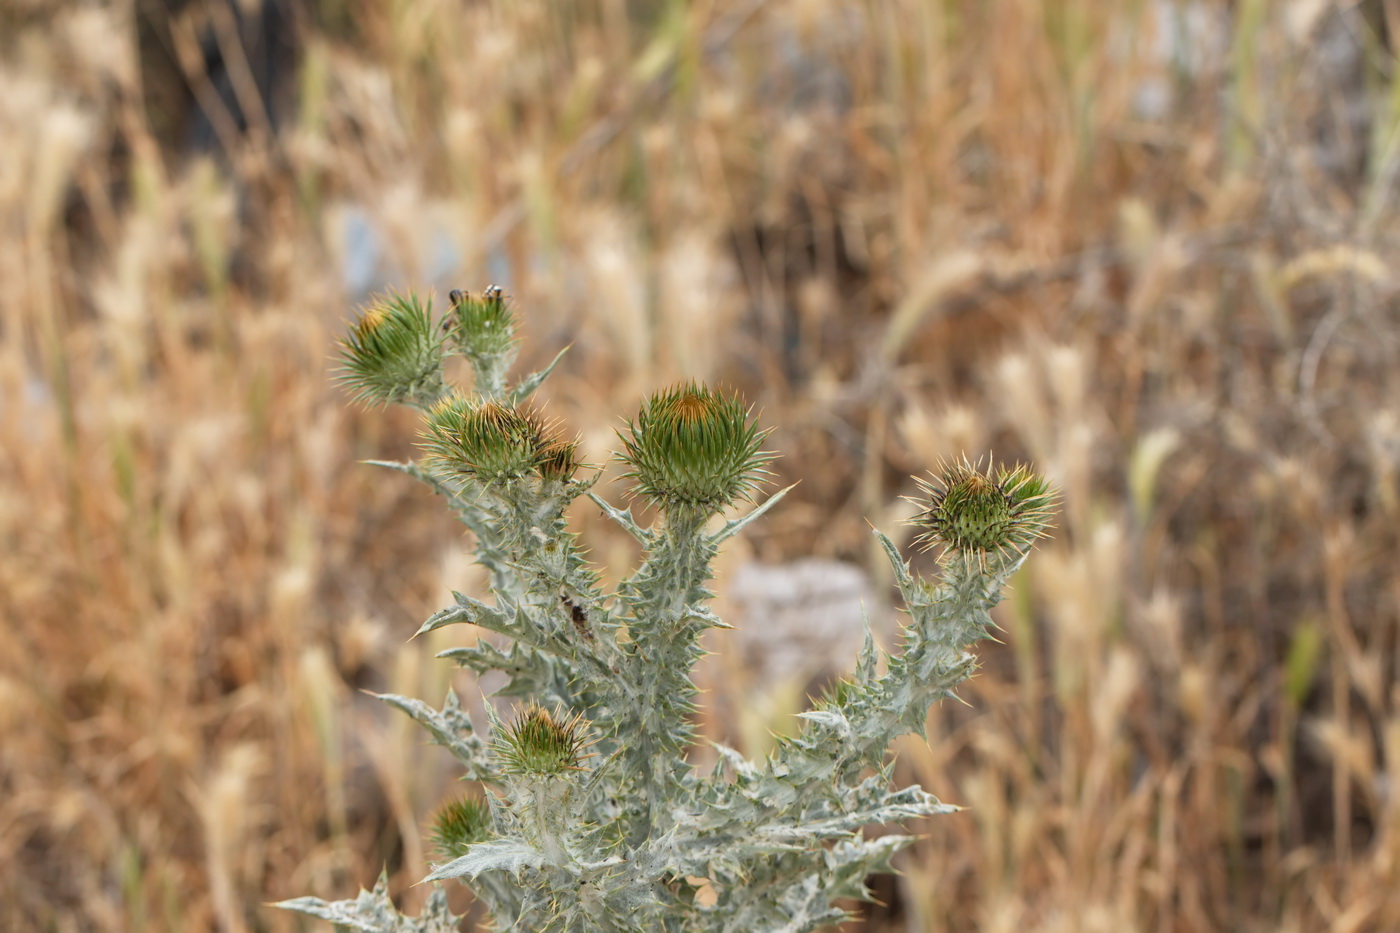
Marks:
<point>693,447</point>
<point>838,694</point>
<point>980,513</point>
<point>461,824</point>
<point>559,460</point>
<point>489,441</point>
<point>392,354</point>
<point>541,743</point>
<point>482,326</point>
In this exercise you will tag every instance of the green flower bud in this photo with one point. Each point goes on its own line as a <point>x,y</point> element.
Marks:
<point>540,743</point>
<point>487,441</point>
<point>838,694</point>
<point>482,328</point>
<point>392,354</point>
<point>559,460</point>
<point>460,824</point>
<point>974,512</point>
<point>694,448</point>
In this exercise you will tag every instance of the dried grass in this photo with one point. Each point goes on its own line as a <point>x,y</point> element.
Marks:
<point>905,230</point>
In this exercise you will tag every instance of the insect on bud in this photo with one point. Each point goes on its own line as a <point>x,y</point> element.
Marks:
<point>483,328</point>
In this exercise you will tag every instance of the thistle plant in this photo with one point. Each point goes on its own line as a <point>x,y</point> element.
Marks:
<point>585,813</point>
<point>393,355</point>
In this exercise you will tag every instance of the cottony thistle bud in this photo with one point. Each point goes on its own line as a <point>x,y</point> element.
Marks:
<point>694,448</point>
<point>392,354</point>
<point>461,824</point>
<point>540,743</point>
<point>997,512</point>
<point>488,441</point>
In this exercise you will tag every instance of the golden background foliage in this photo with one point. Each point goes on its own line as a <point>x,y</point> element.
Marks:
<point>1149,246</point>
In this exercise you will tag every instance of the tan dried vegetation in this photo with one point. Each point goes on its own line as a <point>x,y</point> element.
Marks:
<point>1148,246</point>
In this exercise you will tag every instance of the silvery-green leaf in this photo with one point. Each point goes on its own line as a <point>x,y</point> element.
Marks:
<point>451,728</point>
<point>509,855</point>
<point>374,912</point>
<point>527,386</point>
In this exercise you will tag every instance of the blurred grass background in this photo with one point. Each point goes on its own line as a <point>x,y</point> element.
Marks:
<point>1149,245</point>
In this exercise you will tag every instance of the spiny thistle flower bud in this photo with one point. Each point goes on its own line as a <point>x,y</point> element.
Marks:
<point>489,441</point>
<point>837,694</point>
<point>392,355</point>
<point>693,447</point>
<point>460,824</point>
<point>541,743</point>
<point>483,328</point>
<point>978,513</point>
<point>558,460</point>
